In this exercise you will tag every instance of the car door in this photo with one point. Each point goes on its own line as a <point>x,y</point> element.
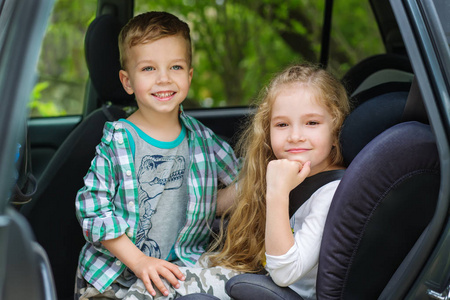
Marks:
<point>24,269</point>
<point>425,28</point>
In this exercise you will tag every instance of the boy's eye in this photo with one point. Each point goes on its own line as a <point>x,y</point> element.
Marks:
<point>148,69</point>
<point>281,125</point>
<point>177,67</point>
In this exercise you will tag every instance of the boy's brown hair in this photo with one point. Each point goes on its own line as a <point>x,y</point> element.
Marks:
<point>149,27</point>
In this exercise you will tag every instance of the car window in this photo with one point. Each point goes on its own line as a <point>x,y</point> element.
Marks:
<point>358,36</point>
<point>238,45</point>
<point>62,72</point>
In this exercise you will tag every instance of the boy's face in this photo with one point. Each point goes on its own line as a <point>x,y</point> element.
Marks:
<point>158,74</point>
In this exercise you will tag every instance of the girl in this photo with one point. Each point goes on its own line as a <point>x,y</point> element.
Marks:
<point>294,135</point>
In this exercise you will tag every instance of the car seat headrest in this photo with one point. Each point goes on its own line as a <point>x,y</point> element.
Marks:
<point>381,89</point>
<point>368,120</point>
<point>376,70</point>
<point>102,59</point>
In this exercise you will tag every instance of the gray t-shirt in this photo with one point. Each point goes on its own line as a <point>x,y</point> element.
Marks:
<point>161,171</point>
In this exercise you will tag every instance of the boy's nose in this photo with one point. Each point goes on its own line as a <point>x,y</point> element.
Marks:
<point>163,77</point>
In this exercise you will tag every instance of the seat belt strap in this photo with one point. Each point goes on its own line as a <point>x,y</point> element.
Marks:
<point>304,190</point>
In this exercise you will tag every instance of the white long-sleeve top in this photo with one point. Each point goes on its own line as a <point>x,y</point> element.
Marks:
<point>297,268</point>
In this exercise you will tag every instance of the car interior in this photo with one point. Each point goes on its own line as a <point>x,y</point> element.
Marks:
<point>391,184</point>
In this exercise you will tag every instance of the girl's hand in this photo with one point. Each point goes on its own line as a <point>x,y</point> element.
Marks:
<point>149,270</point>
<point>284,175</point>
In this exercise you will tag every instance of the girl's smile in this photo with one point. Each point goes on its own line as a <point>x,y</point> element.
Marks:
<point>297,150</point>
<point>301,128</point>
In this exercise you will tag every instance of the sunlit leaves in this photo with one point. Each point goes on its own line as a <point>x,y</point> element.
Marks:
<point>237,46</point>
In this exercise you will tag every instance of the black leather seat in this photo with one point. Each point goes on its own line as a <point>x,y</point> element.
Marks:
<point>51,213</point>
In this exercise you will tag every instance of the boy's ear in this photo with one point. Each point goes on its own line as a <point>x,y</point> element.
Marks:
<point>191,72</point>
<point>125,79</point>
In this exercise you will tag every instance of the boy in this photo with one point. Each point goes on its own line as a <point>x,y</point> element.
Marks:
<point>150,194</point>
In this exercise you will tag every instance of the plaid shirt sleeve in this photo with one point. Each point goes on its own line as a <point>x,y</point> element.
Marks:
<point>107,206</point>
<point>98,202</point>
<point>227,163</point>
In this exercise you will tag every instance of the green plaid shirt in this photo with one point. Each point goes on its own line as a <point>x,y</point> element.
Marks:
<point>107,206</point>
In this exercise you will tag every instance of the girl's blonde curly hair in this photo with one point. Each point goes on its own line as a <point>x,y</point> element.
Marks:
<point>242,247</point>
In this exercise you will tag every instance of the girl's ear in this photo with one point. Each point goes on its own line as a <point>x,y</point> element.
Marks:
<point>336,139</point>
<point>125,80</point>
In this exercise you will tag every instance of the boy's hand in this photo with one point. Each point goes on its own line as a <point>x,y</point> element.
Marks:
<point>149,270</point>
<point>284,175</point>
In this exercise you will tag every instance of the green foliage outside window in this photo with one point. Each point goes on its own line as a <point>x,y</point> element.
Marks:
<point>237,47</point>
<point>62,68</point>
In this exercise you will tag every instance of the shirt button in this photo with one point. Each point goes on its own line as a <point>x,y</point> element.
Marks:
<point>131,203</point>
<point>128,172</point>
<point>118,263</point>
<point>117,126</point>
<point>130,234</point>
<point>120,142</point>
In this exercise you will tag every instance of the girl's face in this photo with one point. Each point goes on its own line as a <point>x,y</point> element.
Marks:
<point>301,128</point>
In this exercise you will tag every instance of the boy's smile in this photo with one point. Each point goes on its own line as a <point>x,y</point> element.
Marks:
<point>164,96</point>
<point>158,73</point>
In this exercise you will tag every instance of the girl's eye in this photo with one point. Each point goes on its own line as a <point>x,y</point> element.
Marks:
<point>148,69</point>
<point>177,67</point>
<point>312,123</point>
<point>281,125</point>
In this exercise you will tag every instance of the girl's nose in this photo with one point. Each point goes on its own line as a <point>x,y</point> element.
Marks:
<point>296,136</point>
